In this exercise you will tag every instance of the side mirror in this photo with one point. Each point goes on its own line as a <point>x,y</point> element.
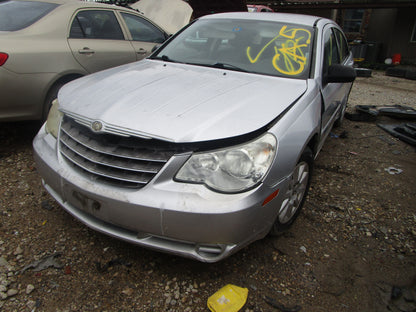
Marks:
<point>340,73</point>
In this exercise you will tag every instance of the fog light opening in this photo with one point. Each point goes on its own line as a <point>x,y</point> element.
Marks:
<point>210,250</point>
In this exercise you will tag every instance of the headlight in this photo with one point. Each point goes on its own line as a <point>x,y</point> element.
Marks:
<point>54,118</point>
<point>231,170</point>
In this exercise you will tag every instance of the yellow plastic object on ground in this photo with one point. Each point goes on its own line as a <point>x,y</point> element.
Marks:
<point>230,298</point>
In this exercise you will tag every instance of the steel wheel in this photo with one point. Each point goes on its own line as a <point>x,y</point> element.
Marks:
<point>295,193</point>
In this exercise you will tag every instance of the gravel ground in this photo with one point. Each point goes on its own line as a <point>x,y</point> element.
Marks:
<point>353,247</point>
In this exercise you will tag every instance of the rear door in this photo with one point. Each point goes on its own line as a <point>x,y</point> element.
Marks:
<point>97,40</point>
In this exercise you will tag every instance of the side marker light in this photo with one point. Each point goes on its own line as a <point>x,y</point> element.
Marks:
<point>270,197</point>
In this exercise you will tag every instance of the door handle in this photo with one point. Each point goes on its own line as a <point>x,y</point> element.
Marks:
<point>86,50</point>
<point>142,51</point>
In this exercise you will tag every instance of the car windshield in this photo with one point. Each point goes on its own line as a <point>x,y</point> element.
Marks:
<point>16,15</point>
<point>262,47</point>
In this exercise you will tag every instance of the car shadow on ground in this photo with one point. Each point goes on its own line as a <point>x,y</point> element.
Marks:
<point>15,134</point>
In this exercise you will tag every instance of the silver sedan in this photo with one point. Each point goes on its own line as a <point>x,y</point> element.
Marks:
<point>208,144</point>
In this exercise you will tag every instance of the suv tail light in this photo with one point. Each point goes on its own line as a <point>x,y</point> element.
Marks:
<point>3,58</point>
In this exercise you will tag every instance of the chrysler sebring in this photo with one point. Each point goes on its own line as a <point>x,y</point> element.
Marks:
<point>208,144</point>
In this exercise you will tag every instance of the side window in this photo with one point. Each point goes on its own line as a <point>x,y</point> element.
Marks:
<point>96,24</point>
<point>342,44</point>
<point>142,30</point>
<point>331,55</point>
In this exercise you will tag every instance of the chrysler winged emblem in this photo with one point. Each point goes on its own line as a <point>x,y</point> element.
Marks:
<point>97,126</point>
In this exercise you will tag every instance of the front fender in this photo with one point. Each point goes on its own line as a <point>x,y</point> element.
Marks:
<point>294,132</point>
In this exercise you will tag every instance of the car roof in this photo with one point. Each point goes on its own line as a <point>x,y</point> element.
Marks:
<point>74,3</point>
<point>49,1</point>
<point>307,20</point>
<point>179,17</point>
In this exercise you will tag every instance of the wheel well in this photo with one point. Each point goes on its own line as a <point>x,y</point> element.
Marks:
<point>61,81</point>
<point>313,144</point>
<point>53,90</point>
<point>65,79</point>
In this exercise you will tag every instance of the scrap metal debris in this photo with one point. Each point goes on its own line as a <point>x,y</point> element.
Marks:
<point>406,132</point>
<point>44,263</point>
<point>111,263</point>
<point>275,304</point>
<point>371,112</point>
<point>392,170</point>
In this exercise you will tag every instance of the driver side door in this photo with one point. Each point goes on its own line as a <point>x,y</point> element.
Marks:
<point>334,95</point>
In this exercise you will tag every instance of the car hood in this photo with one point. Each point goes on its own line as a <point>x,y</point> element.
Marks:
<point>179,102</point>
<point>171,15</point>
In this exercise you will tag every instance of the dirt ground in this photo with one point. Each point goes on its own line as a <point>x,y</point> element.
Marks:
<point>353,247</point>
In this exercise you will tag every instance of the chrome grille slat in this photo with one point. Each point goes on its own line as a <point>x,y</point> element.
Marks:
<point>117,160</point>
<point>95,168</point>
<point>81,138</point>
<point>108,160</point>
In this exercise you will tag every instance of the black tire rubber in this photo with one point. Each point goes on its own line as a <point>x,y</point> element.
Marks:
<point>396,72</point>
<point>363,72</point>
<point>279,226</point>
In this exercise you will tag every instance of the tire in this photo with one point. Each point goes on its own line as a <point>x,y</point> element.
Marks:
<point>295,196</point>
<point>410,74</point>
<point>363,72</point>
<point>52,95</point>
<point>396,72</point>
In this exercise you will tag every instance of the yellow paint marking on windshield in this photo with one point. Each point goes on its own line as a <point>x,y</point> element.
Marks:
<point>261,51</point>
<point>293,33</point>
<point>290,58</point>
<point>294,60</point>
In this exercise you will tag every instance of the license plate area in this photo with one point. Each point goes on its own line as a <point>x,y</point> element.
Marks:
<point>85,203</point>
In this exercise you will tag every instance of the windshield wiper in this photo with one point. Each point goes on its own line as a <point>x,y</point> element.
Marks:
<point>221,65</point>
<point>164,58</point>
<point>215,65</point>
<point>228,66</point>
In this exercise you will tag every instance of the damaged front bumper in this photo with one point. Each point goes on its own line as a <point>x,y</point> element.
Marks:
<point>179,218</point>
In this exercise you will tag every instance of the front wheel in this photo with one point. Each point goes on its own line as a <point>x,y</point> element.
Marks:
<point>295,195</point>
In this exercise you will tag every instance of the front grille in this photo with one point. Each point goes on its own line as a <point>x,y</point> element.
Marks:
<point>117,160</point>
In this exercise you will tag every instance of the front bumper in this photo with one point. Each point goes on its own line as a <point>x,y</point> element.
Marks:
<point>179,218</point>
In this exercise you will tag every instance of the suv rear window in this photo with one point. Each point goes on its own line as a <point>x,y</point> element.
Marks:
<point>16,15</point>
